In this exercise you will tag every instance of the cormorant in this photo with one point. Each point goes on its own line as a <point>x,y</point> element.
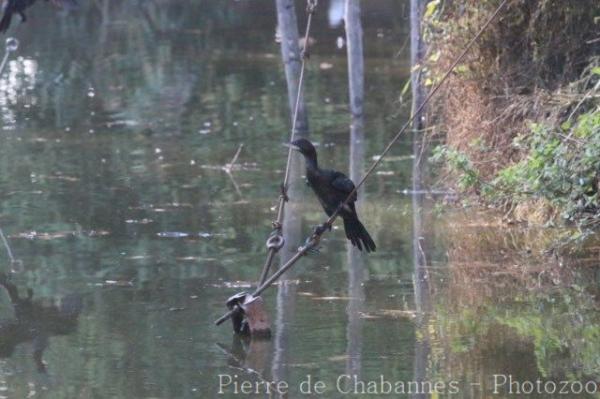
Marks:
<point>332,188</point>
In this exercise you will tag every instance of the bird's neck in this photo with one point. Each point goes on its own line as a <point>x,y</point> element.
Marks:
<point>311,164</point>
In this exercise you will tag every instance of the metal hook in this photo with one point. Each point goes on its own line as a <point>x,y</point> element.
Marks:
<point>10,46</point>
<point>275,242</point>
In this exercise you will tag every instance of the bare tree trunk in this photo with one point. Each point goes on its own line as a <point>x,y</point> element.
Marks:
<point>354,43</point>
<point>287,28</point>
<point>417,52</point>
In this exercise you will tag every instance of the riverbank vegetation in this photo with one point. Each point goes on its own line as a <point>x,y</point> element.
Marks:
<point>519,119</point>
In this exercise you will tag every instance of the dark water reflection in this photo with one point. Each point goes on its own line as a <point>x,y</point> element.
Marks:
<point>117,122</point>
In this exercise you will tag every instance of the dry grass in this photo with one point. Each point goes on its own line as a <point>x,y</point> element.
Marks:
<point>535,212</point>
<point>517,73</point>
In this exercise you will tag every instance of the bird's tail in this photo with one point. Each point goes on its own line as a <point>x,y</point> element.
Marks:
<point>5,21</point>
<point>358,235</point>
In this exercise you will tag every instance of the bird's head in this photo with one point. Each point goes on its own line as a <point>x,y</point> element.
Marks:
<point>304,147</point>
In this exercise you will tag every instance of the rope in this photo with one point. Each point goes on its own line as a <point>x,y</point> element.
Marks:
<point>276,241</point>
<point>410,120</point>
<point>313,240</point>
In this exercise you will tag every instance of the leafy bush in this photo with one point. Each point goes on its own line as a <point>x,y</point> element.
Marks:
<point>562,165</point>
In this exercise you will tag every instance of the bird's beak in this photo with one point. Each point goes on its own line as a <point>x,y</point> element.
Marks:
<point>293,147</point>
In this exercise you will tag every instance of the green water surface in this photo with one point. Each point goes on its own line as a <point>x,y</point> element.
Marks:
<point>116,121</point>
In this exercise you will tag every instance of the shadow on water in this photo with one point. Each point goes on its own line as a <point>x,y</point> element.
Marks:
<point>36,322</point>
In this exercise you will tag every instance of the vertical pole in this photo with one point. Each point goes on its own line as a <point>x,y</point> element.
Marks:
<point>417,53</point>
<point>420,277</point>
<point>356,273</point>
<point>417,8</point>
<point>354,42</point>
<point>287,28</point>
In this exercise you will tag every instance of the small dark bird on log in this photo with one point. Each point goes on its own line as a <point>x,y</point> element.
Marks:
<point>332,188</point>
<point>11,7</point>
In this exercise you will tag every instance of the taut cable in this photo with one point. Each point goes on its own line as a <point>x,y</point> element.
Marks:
<point>332,218</point>
<point>276,241</point>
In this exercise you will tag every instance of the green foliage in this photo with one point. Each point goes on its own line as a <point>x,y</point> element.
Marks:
<point>562,165</point>
<point>458,162</point>
<point>431,8</point>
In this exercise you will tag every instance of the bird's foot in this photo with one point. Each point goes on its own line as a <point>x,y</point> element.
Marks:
<point>310,247</point>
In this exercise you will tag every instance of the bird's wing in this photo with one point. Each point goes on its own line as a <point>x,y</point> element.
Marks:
<point>341,183</point>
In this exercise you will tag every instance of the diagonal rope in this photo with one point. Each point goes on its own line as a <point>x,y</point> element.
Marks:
<point>313,240</point>
<point>275,241</point>
<point>416,114</point>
